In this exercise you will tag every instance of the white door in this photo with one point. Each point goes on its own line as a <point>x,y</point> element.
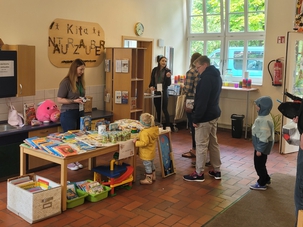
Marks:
<point>293,79</point>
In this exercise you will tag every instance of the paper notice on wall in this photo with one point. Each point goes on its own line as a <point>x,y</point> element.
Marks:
<point>6,68</point>
<point>118,98</point>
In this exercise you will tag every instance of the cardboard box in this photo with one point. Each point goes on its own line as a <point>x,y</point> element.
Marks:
<point>88,106</point>
<point>36,206</point>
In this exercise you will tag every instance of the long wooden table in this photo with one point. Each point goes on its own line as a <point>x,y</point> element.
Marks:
<point>63,162</point>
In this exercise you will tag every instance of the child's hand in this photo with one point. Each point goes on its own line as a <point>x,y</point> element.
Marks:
<point>258,153</point>
<point>134,140</point>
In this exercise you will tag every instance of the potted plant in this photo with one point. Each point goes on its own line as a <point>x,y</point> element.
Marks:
<point>277,125</point>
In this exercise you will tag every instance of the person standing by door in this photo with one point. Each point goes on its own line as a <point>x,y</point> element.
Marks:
<point>159,82</point>
<point>71,89</point>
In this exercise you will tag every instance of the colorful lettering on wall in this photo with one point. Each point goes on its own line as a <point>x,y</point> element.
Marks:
<point>69,39</point>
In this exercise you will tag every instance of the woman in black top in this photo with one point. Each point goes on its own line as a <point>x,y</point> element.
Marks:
<point>161,76</point>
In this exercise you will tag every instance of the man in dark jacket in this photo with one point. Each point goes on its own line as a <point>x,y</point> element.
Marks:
<point>205,118</point>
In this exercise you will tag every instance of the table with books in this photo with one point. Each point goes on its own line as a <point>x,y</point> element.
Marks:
<point>64,160</point>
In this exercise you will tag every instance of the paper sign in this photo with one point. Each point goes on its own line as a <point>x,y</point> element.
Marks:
<point>126,149</point>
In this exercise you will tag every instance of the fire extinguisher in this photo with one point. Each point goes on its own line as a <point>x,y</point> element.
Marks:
<point>277,78</point>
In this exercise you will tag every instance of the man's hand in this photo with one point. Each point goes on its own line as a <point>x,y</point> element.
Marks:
<point>258,153</point>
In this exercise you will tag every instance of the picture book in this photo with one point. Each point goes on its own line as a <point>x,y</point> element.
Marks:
<point>39,141</point>
<point>80,147</point>
<point>21,180</point>
<point>88,140</point>
<point>50,150</point>
<point>29,113</point>
<point>29,141</point>
<point>71,192</point>
<point>65,150</point>
<point>85,123</point>
<point>46,146</point>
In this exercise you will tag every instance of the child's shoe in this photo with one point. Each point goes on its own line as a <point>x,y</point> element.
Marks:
<point>72,166</point>
<point>256,186</point>
<point>148,179</point>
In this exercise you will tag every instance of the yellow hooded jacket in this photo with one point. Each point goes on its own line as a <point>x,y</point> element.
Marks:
<point>147,142</point>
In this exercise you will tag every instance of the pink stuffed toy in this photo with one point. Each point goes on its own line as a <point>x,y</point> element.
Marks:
<point>48,111</point>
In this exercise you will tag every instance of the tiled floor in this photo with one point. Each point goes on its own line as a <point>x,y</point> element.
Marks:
<point>169,201</point>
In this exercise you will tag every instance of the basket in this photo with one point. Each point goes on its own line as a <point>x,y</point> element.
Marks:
<point>100,196</point>
<point>77,201</point>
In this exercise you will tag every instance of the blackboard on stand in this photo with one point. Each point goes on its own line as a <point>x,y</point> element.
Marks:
<point>166,155</point>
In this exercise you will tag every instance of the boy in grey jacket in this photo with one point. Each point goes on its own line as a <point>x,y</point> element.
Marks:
<point>263,140</point>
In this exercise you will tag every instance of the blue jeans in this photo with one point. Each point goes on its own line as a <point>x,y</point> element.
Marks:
<point>70,119</point>
<point>299,184</point>
<point>149,166</point>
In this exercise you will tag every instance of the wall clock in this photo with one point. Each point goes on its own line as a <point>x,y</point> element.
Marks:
<point>139,28</point>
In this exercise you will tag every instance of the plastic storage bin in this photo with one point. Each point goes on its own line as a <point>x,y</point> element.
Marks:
<point>100,196</point>
<point>77,201</point>
<point>237,125</point>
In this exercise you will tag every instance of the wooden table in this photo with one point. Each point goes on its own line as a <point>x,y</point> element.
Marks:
<point>63,162</point>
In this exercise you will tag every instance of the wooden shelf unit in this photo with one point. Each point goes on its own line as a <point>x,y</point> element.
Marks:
<point>26,69</point>
<point>131,81</point>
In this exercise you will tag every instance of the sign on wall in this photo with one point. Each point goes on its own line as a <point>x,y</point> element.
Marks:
<point>69,39</point>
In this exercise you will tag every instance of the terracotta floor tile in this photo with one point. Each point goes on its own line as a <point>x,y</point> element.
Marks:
<point>169,201</point>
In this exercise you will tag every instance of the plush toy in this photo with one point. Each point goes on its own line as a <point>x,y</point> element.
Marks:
<point>48,111</point>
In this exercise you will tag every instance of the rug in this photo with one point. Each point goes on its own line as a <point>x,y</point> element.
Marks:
<point>271,208</point>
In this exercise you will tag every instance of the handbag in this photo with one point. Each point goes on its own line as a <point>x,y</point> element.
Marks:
<point>14,118</point>
<point>189,105</point>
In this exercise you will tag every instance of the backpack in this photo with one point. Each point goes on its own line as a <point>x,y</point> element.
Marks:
<point>14,118</point>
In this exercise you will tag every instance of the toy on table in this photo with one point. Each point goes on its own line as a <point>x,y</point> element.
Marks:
<point>118,174</point>
<point>48,111</point>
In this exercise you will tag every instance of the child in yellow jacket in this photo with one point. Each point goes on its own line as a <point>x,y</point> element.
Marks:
<point>146,142</point>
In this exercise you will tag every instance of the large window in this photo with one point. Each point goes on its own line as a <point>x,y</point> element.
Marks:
<point>231,33</point>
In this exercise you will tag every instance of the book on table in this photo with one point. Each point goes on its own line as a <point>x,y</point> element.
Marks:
<point>65,150</point>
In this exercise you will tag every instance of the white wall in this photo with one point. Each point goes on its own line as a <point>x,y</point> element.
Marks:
<point>27,22</point>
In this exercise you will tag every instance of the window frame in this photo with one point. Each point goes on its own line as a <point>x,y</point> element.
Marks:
<point>225,36</point>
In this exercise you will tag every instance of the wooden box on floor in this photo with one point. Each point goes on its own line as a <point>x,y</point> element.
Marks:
<point>34,207</point>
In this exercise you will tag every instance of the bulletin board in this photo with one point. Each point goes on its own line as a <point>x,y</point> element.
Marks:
<point>166,154</point>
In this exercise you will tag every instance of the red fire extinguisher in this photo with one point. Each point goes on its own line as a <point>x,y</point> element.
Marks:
<point>277,78</point>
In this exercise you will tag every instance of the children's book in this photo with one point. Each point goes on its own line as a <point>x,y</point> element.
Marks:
<point>29,141</point>
<point>29,113</point>
<point>89,141</point>
<point>65,150</point>
<point>39,141</point>
<point>46,146</point>
<point>85,123</point>
<point>71,192</point>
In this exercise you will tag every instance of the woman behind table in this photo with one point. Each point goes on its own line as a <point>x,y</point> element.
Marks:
<point>71,89</point>
<point>161,75</point>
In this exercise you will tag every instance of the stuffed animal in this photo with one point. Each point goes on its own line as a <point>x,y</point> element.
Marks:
<point>48,111</point>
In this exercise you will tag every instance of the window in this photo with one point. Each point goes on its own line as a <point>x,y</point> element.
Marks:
<point>231,33</point>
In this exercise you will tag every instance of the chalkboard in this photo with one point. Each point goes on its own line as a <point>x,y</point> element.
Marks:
<point>166,154</point>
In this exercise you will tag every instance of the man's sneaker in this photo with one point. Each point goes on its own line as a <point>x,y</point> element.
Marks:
<point>268,182</point>
<point>72,166</point>
<point>79,165</point>
<point>216,175</point>
<point>256,186</point>
<point>194,177</point>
